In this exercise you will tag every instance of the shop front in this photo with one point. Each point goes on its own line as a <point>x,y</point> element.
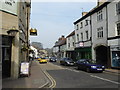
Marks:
<point>115,56</point>
<point>83,53</point>
<point>71,54</point>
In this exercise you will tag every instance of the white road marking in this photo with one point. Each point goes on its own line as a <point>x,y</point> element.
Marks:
<point>105,79</point>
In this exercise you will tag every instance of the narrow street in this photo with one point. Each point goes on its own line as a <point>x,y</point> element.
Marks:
<point>70,77</point>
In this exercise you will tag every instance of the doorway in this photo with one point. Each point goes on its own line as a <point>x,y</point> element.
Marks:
<point>102,55</point>
<point>6,56</point>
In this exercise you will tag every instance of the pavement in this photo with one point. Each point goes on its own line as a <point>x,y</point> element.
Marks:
<point>113,70</point>
<point>37,79</point>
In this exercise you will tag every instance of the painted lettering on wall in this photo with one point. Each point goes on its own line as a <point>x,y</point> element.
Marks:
<point>9,2</point>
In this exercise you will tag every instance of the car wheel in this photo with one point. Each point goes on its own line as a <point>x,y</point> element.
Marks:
<point>60,63</point>
<point>65,64</point>
<point>88,70</point>
<point>101,71</point>
<point>78,68</point>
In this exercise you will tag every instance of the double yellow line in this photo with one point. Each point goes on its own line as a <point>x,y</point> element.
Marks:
<point>53,82</point>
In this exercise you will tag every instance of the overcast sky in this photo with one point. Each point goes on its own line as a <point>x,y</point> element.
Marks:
<point>53,19</point>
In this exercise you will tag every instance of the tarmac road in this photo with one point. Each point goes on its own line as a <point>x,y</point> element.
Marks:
<point>69,77</point>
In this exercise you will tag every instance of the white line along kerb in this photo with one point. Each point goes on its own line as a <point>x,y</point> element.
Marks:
<point>105,79</point>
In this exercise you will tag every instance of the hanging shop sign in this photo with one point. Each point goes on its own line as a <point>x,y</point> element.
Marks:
<point>33,32</point>
<point>9,6</point>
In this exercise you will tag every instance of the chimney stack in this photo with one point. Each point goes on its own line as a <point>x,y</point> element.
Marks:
<point>84,13</point>
<point>100,2</point>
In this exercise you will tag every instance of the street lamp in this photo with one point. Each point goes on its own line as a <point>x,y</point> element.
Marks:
<point>12,32</point>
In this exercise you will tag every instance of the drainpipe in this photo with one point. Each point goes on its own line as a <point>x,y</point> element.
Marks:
<point>91,32</point>
<point>108,47</point>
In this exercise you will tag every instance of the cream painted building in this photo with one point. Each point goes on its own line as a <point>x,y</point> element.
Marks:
<point>114,32</point>
<point>104,33</point>
<point>14,19</point>
<point>70,44</point>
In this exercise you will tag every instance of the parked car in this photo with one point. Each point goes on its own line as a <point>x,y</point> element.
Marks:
<point>43,60</point>
<point>89,65</point>
<point>67,61</point>
<point>53,59</point>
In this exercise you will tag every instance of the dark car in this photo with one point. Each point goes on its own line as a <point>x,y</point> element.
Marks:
<point>53,59</point>
<point>89,65</point>
<point>67,61</point>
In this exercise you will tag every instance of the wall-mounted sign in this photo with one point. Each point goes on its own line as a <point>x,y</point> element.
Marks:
<point>81,44</point>
<point>9,6</point>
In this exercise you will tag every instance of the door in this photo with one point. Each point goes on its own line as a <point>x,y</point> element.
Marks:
<point>6,62</point>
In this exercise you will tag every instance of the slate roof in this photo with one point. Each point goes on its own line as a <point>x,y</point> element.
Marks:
<point>71,34</point>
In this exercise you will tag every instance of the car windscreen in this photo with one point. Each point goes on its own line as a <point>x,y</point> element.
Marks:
<point>91,61</point>
<point>53,58</point>
<point>43,58</point>
<point>67,59</point>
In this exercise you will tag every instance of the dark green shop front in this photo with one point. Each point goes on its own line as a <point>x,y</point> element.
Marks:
<point>83,53</point>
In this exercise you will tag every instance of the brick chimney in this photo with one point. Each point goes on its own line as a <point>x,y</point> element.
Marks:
<point>62,37</point>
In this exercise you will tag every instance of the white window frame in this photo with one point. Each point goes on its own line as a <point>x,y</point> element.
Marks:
<point>100,33</point>
<point>118,8</point>
<point>100,15</point>
<point>118,29</point>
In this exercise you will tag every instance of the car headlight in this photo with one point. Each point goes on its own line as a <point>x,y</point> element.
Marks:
<point>103,66</point>
<point>93,67</point>
<point>68,62</point>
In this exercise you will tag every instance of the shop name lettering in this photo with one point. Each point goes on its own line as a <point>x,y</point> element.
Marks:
<point>10,2</point>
